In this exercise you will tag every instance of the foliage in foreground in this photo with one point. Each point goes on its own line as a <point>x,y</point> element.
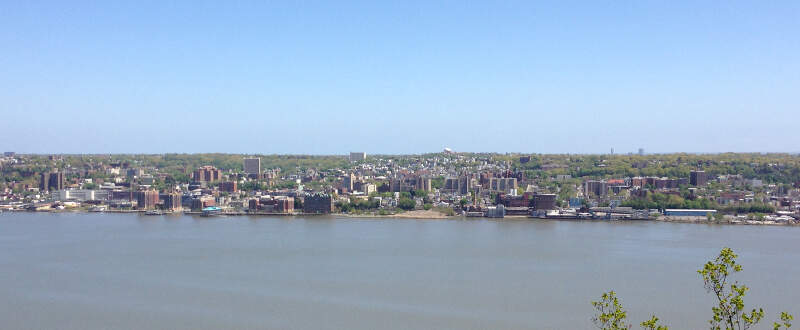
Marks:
<point>729,313</point>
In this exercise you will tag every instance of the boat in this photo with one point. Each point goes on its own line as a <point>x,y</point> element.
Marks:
<point>154,212</point>
<point>211,211</point>
<point>97,209</point>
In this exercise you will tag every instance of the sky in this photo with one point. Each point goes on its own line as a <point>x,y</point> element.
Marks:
<point>330,77</point>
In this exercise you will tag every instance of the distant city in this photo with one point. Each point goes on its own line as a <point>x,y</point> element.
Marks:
<point>744,188</point>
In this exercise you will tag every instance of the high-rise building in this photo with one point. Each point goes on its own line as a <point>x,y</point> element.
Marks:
<point>252,166</point>
<point>43,182</point>
<point>424,184</point>
<point>172,201</point>
<point>358,156</point>
<point>698,178</point>
<point>502,184</point>
<point>460,185</point>
<point>51,181</point>
<point>594,187</point>
<point>146,199</point>
<point>207,174</point>
<point>641,151</point>
<point>349,181</point>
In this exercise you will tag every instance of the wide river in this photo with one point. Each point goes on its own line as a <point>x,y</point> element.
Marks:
<point>127,271</point>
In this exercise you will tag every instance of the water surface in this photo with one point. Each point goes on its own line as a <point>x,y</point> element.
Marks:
<point>127,271</point>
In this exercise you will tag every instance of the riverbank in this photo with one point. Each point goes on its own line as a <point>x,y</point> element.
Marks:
<point>434,214</point>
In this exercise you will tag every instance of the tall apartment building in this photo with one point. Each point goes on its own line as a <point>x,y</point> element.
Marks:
<point>502,184</point>
<point>207,173</point>
<point>460,185</point>
<point>358,156</point>
<point>698,178</point>
<point>51,181</point>
<point>171,201</point>
<point>596,188</point>
<point>146,199</point>
<point>252,166</point>
<point>349,181</point>
<point>424,184</point>
<point>410,183</point>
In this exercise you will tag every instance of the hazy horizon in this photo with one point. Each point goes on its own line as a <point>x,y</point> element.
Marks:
<point>399,77</point>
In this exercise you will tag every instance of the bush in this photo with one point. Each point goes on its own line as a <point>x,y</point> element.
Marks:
<point>406,204</point>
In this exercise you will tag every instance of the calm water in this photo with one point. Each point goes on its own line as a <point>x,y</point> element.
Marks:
<point>123,271</point>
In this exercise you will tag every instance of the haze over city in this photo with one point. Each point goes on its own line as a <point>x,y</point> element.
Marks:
<point>402,77</point>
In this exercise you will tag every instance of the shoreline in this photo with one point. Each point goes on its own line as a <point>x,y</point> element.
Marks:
<point>435,215</point>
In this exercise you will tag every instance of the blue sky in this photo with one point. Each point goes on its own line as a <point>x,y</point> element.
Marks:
<point>399,77</point>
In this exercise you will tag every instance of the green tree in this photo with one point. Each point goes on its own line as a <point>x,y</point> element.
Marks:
<point>729,313</point>
<point>406,203</point>
<point>786,321</point>
<point>463,202</point>
<point>652,324</point>
<point>610,314</point>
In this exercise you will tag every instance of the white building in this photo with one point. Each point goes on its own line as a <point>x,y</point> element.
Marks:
<point>368,188</point>
<point>79,195</point>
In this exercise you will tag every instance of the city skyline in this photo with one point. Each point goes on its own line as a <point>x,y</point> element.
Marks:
<point>399,78</point>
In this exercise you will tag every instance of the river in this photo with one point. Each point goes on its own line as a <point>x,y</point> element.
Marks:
<point>129,271</point>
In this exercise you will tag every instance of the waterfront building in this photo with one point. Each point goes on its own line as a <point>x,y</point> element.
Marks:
<point>80,195</point>
<point>146,199</point>
<point>544,201</point>
<point>199,203</point>
<point>171,201</point>
<point>688,212</point>
<point>318,203</point>
<point>498,211</point>
<point>277,204</point>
